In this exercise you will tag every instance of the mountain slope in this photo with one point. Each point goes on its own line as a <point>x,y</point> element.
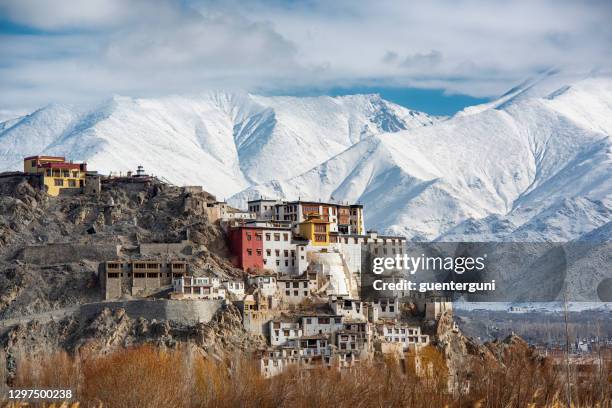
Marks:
<point>529,167</point>
<point>224,141</point>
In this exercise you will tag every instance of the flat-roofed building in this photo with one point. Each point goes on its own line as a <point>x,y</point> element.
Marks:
<point>139,277</point>
<point>405,334</point>
<point>284,332</point>
<point>191,287</point>
<point>57,175</point>
<point>293,291</point>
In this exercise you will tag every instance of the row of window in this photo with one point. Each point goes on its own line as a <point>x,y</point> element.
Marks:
<point>411,339</point>
<point>320,228</point>
<point>296,293</point>
<point>141,275</point>
<point>296,284</point>
<point>320,237</point>
<point>278,262</point>
<point>145,275</point>
<point>356,240</point>
<point>63,173</point>
<point>58,182</point>
<point>277,236</point>
<point>325,320</point>
<point>401,331</point>
<point>145,265</point>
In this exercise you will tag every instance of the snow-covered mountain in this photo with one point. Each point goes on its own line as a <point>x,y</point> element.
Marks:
<point>536,164</point>
<point>223,141</point>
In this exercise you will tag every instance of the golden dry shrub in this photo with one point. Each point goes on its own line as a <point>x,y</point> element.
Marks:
<point>53,371</point>
<point>136,377</point>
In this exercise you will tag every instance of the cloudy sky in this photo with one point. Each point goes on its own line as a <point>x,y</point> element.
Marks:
<point>441,53</point>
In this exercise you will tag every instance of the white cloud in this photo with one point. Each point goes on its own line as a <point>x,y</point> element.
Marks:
<point>95,48</point>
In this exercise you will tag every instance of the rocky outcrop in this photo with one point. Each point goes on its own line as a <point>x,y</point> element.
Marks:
<point>53,245</point>
<point>113,330</point>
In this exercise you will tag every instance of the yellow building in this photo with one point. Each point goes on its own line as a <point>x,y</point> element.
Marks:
<point>315,230</point>
<point>56,174</point>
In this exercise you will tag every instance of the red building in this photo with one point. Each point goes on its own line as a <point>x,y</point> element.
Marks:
<point>246,244</point>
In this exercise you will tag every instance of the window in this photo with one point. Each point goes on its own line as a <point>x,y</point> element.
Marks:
<point>249,251</point>
<point>48,172</point>
<point>287,293</point>
<point>320,237</point>
<point>286,253</point>
<point>277,237</point>
<point>286,262</point>
<point>71,183</point>
<point>268,252</point>
<point>285,237</point>
<point>258,236</point>
<point>267,236</point>
<point>259,252</point>
<point>305,293</point>
<point>277,252</point>
<point>58,182</point>
<point>75,174</point>
<point>278,262</point>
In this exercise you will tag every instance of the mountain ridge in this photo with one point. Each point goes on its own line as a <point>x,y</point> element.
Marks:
<point>506,170</point>
<point>235,137</point>
<point>514,160</point>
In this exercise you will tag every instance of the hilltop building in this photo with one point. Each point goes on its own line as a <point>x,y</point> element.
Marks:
<point>139,277</point>
<point>191,287</point>
<point>284,235</point>
<point>342,218</point>
<point>56,174</point>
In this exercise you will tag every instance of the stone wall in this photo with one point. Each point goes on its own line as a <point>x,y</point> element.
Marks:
<point>186,312</point>
<point>66,252</point>
<point>183,247</point>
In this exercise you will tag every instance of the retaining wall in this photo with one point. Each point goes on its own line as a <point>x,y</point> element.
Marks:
<point>187,312</point>
<point>65,253</point>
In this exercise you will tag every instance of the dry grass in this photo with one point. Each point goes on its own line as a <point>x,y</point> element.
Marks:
<point>148,377</point>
